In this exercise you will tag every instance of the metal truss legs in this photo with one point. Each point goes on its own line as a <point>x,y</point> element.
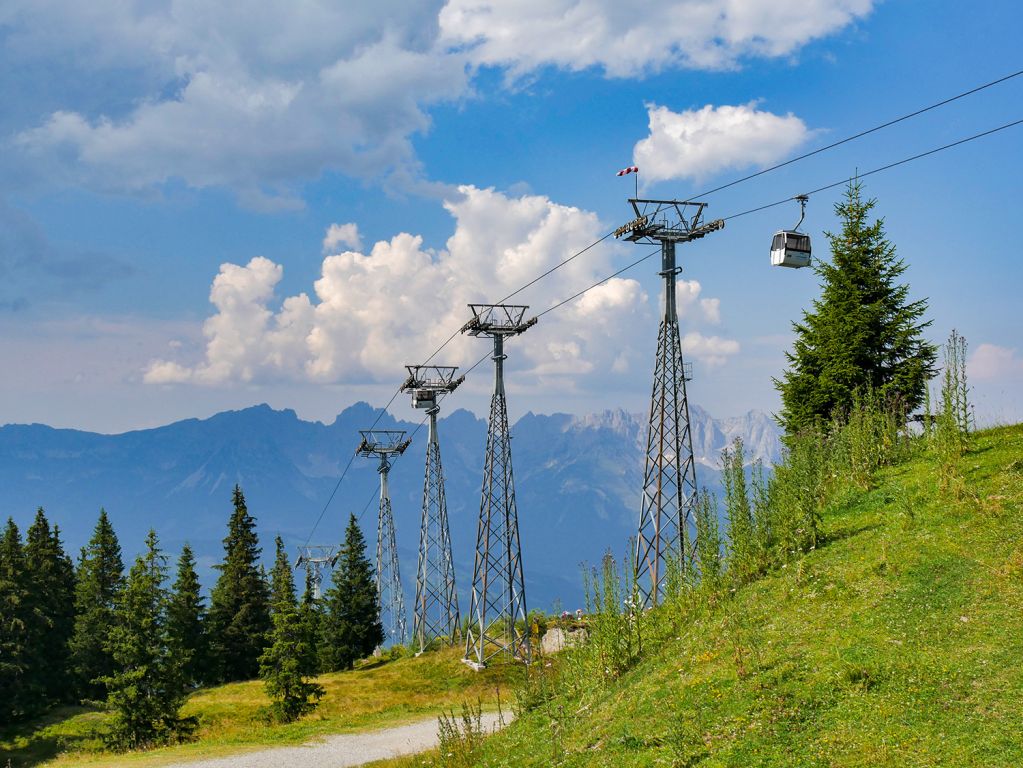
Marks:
<point>498,589</point>
<point>436,609</point>
<point>666,533</point>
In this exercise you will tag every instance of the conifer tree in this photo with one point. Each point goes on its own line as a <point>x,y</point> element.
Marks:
<point>15,698</point>
<point>351,627</point>
<point>148,687</point>
<point>284,665</point>
<point>863,334</point>
<point>186,621</point>
<point>52,601</point>
<point>98,582</point>
<point>239,614</point>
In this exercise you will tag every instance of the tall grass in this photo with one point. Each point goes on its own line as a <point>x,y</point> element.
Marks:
<point>949,438</point>
<point>744,542</point>
<point>461,736</point>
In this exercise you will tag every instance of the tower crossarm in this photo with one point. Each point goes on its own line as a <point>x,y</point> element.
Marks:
<point>498,320</point>
<point>320,553</point>
<point>436,378</point>
<point>382,442</point>
<point>428,383</point>
<point>315,559</point>
<point>677,221</point>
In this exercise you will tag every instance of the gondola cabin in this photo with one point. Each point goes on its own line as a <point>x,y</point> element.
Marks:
<point>790,249</point>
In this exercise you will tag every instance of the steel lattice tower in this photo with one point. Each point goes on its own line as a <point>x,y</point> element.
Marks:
<point>435,614</point>
<point>666,523</point>
<point>314,558</point>
<point>383,443</point>
<point>498,588</point>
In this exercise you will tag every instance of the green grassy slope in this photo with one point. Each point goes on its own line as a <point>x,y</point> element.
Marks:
<point>899,642</point>
<point>376,694</point>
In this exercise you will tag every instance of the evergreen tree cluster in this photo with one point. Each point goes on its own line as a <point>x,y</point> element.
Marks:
<point>138,644</point>
<point>37,590</point>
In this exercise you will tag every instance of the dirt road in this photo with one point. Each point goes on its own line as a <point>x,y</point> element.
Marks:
<point>342,750</point>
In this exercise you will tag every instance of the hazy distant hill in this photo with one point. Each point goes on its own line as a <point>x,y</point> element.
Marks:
<point>577,482</point>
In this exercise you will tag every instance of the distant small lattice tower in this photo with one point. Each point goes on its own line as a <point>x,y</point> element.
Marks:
<point>666,523</point>
<point>315,559</point>
<point>498,588</point>
<point>435,614</point>
<point>384,443</point>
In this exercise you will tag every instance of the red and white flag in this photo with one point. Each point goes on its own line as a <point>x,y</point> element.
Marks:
<point>627,171</point>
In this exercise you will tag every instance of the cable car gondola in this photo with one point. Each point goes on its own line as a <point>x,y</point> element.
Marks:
<point>790,247</point>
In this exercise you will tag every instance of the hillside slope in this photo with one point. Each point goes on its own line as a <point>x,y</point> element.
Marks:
<point>898,642</point>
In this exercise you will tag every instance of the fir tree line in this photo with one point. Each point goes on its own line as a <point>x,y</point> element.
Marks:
<point>137,644</point>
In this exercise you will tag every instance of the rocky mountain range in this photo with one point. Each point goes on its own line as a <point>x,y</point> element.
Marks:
<point>577,482</point>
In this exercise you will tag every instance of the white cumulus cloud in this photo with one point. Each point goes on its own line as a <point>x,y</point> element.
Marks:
<point>224,96</point>
<point>262,100</point>
<point>372,312</point>
<point>710,350</point>
<point>990,361</point>
<point>342,234</point>
<point>632,38</point>
<point>699,142</point>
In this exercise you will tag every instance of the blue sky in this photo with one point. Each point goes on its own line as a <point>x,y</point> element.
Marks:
<point>201,210</point>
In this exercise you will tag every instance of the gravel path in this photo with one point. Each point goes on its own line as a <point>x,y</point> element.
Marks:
<point>342,750</point>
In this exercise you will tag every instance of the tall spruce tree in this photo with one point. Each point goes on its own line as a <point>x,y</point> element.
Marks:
<point>16,700</point>
<point>148,687</point>
<point>285,664</point>
<point>186,621</point>
<point>239,616</point>
<point>52,600</point>
<point>98,581</point>
<point>863,334</point>
<point>351,627</point>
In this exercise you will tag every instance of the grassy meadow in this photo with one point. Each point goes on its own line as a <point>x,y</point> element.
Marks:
<point>376,694</point>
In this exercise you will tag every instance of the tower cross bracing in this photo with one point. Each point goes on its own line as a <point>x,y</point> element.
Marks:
<point>315,559</point>
<point>382,444</point>
<point>498,597</point>
<point>666,533</point>
<point>435,612</point>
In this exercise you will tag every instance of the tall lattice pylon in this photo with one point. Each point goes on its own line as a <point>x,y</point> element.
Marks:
<point>498,588</point>
<point>666,521</point>
<point>382,444</point>
<point>315,559</point>
<point>435,613</point>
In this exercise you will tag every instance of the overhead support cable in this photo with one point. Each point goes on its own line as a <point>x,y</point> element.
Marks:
<point>887,167</point>
<point>860,135</point>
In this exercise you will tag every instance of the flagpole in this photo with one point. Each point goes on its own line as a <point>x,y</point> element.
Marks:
<point>637,182</point>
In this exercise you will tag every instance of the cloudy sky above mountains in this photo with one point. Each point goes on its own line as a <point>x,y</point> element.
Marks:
<point>203,207</point>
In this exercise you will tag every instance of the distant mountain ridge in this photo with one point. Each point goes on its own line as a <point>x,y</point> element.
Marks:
<point>577,482</point>
<point>759,433</point>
